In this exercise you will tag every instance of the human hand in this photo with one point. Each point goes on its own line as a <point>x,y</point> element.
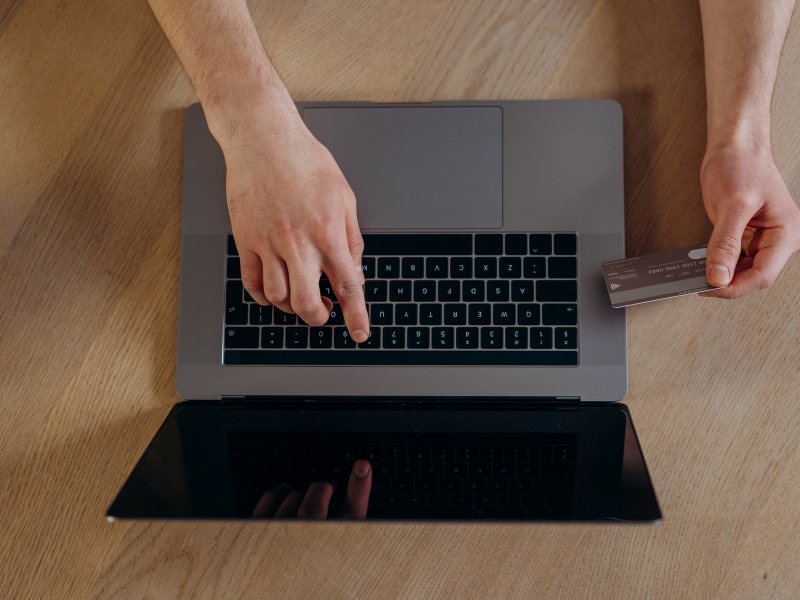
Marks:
<point>756,222</point>
<point>294,217</point>
<point>283,502</point>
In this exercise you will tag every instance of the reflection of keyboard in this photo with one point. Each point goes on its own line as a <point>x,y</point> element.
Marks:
<point>463,476</point>
<point>435,299</point>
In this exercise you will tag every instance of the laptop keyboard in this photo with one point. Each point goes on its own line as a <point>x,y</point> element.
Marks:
<point>432,299</point>
<point>463,476</point>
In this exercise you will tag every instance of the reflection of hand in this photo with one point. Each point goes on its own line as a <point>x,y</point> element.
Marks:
<point>284,502</point>
<point>753,215</point>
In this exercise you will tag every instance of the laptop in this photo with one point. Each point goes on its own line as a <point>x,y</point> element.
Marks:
<point>489,387</point>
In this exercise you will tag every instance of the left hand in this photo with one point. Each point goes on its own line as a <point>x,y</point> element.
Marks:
<point>756,222</point>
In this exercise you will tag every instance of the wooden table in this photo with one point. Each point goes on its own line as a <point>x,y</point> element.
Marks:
<point>91,134</point>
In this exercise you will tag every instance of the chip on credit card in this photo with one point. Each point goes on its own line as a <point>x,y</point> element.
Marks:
<point>657,276</point>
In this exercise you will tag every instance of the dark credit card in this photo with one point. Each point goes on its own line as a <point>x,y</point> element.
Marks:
<point>657,276</point>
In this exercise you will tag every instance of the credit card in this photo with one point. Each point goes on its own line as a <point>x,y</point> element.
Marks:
<point>657,276</point>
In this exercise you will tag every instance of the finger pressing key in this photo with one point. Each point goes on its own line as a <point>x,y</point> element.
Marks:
<point>346,281</point>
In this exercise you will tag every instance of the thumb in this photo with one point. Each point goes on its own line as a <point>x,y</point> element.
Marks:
<point>725,247</point>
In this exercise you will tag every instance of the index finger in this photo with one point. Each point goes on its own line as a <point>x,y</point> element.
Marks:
<point>345,279</point>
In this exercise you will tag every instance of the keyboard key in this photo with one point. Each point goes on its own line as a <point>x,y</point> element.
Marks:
<point>376,291</point>
<point>455,314</point>
<point>510,268</point>
<point>342,339</point>
<point>541,338</point>
<point>480,314</point>
<point>449,486</point>
<point>564,453</point>
<point>260,315</point>
<point>431,469</point>
<point>488,243</point>
<point>439,500</point>
<point>520,486</point>
<point>272,337</point>
<point>400,291</point>
<point>416,500</point>
<point>235,309</point>
<point>405,314</point>
<point>368,267</point>
<point>556,291</point>
<point>509,500</point>
<point>381,314</point>
<point>372,452</point>
<point>522,291</point>
<point>347,452</point>
<point>248,297</point>
<point>395,452</point>
<point>417,244</point>
<point>540,243</point>
<point>485,268</point>
<point>461,268</point>
<point>527,470</point>
<point>557,469</point>
<point>481,469</point>
<point>467,338</point>
<point>516,453</point>
<point>565,243</point>
<point>418,338</point>
<point>408,469</point>
<point>566,337</point>
<point>503,469</point>
<point>540,453</point>
<point>430,314</point>
<point>336,317</point>
<point>436,267</point>
<point>394,338</point>
<point>413,267</point>
<point>473,291</point>
<point>282,318</point>
<point>389,268</point>
<point>533,267</point>
<point>326,290</point>
<point>373,339</point>
<point>562,267</point>
<point>516,338</point>
<point>449,291</point>
<point>560,314</point>
<point>461,500</point>
<point>476,486</point>
<point>234,270</point>
<point>491,338</point>
<point>425,486</point>
<point>446,452</point>
<point>323,452</point>
<point>491,453</point>
<point>455,470</point>
<point>497,291</point>
<point>232,246</point>
<point>516,244</point>
<point>528,314</point>
<point>419,452</point>
<point>497,486</point>
<point>503,314</point>
<point>443,338</point>
<point>241,337</point>
<point>321,337</point>
<point>466,453</point>
<point>555,486</point>
<point>424,291</point>
<point>297,337</point>
<point>402,485</point>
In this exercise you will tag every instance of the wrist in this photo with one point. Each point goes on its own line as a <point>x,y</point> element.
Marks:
<point>746,130</point>
<point>238,107</point>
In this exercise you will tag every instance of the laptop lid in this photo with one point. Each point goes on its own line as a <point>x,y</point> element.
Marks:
<point>428,461</point>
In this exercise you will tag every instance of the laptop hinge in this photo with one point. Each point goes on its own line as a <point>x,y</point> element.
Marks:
<point>399,402</point>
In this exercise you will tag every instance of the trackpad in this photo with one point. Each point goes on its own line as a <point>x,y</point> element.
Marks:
<point>418,167</point>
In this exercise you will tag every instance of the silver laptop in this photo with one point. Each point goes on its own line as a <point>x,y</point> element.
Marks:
<point>485,225</point>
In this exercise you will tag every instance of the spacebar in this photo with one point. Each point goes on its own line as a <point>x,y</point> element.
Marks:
<point>417,244</point>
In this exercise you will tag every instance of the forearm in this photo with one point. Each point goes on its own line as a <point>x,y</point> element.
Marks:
<point>219,48</point>
<point>743,41</point>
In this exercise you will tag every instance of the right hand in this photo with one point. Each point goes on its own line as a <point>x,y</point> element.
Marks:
<point>294,218</point>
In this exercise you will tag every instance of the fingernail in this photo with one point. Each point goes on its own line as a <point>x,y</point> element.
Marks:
<point>720,274</point>
<point>362,469</point>
<point>359,335</point>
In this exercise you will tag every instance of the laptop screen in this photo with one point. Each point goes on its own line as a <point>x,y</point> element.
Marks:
<point>435,462</point>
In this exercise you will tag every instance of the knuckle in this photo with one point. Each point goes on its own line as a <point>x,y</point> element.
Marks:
<point>356,243</point>
<point>727,244</point>
<point>305,304</point>
<point>348,289</point>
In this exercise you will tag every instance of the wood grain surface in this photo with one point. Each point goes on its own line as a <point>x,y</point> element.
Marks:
<point>91,134</point>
